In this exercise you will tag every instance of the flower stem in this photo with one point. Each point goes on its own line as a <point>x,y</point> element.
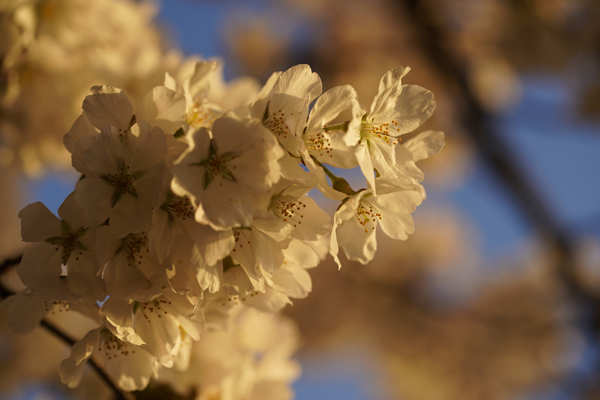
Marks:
<point>341,126</point>
<point>338,183</point>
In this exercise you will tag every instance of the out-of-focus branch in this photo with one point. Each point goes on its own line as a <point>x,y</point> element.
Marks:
<point>10,262</point>
<point>480,128</point>
<point>66,338</point>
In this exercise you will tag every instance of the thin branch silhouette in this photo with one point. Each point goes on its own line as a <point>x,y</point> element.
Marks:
<point>66,338</point>
<point>10,262</point>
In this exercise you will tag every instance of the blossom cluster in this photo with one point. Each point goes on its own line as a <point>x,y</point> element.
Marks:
<point>186,219</point>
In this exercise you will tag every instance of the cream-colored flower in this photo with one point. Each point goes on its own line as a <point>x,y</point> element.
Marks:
<point>332,129</point>
<point>326,134</point>
<point>61,262</point>
<point>261,249</point>
<point>250,360</point>
<point>397,110</point>
<point>123,162</point>
<point>130,268</point>
<point>192,249</point>
<point>184,102</point>
<point>228,172</point>
<point>356,221</point>
<point>130,366</point>
<point>159,325</point>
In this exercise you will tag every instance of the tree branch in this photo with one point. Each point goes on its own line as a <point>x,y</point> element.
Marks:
<point>10,262</point>
<point>66,338</point>
<point>480,128</point>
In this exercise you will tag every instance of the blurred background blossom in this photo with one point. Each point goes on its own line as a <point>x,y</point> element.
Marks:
<point>496,294</point>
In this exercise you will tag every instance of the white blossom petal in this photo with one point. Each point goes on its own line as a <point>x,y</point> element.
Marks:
<point>106,108</point>
<point>425,144</point>
<point>405,110</point>
<point>299,81</point>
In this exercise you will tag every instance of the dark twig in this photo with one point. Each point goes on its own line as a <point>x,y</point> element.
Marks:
<point>10,262</point>
<point>119,395</point>
<point>66,338</point>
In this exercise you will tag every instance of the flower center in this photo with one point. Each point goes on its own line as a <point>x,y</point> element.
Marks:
<point>381,131</point>
<point>112,347</point>
<point>367,216</point>
<point>199,116</point>
<point>275,122</point>
<point>68,241</point>
<point>134,245</point>
<point>216,164</point>
<point>290,211</point>
<point>155,307</point>
<point>179,207</point>
<point>122,181</point>
<point>319,143</point>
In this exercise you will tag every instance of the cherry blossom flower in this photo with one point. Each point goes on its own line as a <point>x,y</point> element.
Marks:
<point>356,221</point>
<point>228,171</point>
<point>60,253</point>
<point>123,162</point>
<point>130,366</point>
<point>249,360</point>
<point>194,250</point>
<point>159,325</point>
<point>397,110</point>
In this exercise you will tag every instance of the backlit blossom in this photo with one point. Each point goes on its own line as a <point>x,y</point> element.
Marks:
<point>396,110</point>
<point>248,361</point>
<point>192,249</point>
<point>123,162</point>
<point>356,222</point>
<point>130,366</point>
<point>228,172</point>
<point>194,211</point>
<point>60,259</point>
